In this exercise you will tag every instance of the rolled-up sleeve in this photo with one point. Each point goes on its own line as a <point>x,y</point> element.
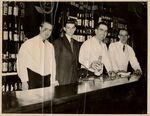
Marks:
<point>133,60</point>
<point>53,67</point>
<point>84,55</point>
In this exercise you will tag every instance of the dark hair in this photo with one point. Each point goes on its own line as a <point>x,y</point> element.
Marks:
<point>100,23</point>
<point>71,21</point>
<point>45,22</point>
<point>123,29</point>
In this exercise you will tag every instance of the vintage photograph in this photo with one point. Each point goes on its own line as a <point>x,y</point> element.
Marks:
<point>74,57</point>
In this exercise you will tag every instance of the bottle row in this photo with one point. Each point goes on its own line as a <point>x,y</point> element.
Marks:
<point>9,62</point>
<point>13,8</point>
<point>10,46</point>
<point>85,20</point>
<point>11,87</point>
<point>13,31</point>
<point>85,15</point>
<point>85,31</point>
<point>81,38</point>
<point>85,23</point>
<point>113,22</point>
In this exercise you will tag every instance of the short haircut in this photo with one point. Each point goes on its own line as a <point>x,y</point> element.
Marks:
<point>123,29</point>
<point>100,23</point>
<point>45,22</point>
<point>71,21</point>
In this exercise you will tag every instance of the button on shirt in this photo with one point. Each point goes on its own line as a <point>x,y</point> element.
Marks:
<point>90,51</point>
<point>37,56</point>
<point>120,58</point>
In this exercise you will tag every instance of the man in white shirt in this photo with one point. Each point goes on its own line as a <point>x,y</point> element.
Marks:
<point>37,55</point>
<point>93,53</point>
<point>121,54</point>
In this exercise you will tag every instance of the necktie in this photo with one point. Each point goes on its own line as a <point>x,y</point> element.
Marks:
<point>123,48</point>
<point>71,44</point>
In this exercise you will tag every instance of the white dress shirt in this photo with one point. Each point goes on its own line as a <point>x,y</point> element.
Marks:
<point>38,56</point>
<point>90,51</point>
<point>120,58</point>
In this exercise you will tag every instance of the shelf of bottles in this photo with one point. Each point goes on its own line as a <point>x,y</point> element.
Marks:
<point>84,26</point>
<point>12,36</point>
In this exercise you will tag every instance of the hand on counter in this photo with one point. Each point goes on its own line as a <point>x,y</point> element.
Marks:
<point>25,86</point>
<point>137,72</point>
<point>97,67</point>
<point>56,83</point>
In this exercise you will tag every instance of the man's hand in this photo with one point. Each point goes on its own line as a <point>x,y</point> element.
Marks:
<point>25,86</point>
<point>96,65</point>
<point>56,83</point>
<point>137,72</point>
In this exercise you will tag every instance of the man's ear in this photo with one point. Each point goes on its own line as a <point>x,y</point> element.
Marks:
<point>119,36</point>
<point>128,36</point>
<point>40,28</point>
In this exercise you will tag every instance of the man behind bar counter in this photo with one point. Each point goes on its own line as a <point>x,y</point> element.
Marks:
<point>66,54</point>
<point>121,54</point>
<point>93,53</point>
<point>37,56</point>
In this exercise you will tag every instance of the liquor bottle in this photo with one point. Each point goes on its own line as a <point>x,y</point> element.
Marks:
<point>99,71</point>
<point>10,8</point>
<point>21,32</point>
<point>15,9</point>
<point>13,62</point>
<point>10,33</point>
<point>16,36</point>
<point>79,19</point>
<point>5,8</point>
<point>5,31</point>
<point>5,63</point>
<point>22,10</point>
<point>10,63</point>
<point>15,67</point>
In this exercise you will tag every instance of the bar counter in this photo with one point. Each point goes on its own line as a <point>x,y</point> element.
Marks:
<point>118,96</point>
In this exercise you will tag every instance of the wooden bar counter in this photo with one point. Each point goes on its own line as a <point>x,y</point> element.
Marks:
<point>118,96</point>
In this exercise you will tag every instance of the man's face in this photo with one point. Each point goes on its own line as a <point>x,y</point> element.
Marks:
<point>101,32</point>
<point>123,36</point>
<point>46,30</point>
<point>70,29</point>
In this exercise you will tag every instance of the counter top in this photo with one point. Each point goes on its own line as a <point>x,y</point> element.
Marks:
<point>24,101</point>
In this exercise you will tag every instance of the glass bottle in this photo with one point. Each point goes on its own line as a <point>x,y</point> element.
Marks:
<point>98,72</point>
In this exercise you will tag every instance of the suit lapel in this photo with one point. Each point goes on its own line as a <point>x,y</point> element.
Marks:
<point>67,44</point>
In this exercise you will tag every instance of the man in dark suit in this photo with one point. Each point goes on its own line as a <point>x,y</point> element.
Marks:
<point>66,54</point>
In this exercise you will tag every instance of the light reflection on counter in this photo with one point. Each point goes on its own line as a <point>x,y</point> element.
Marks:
<point>40,95</point>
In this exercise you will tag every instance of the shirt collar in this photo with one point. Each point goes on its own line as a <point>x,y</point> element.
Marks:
<point>121,43</point>
<point>68,37</point>
<point>101,43</point>
<point>41,39</point>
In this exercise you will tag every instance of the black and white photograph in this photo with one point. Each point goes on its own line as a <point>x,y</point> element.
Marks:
<point>74,57</point>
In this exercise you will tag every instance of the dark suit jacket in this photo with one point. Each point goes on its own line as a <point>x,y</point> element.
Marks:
<point>66,60</point>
